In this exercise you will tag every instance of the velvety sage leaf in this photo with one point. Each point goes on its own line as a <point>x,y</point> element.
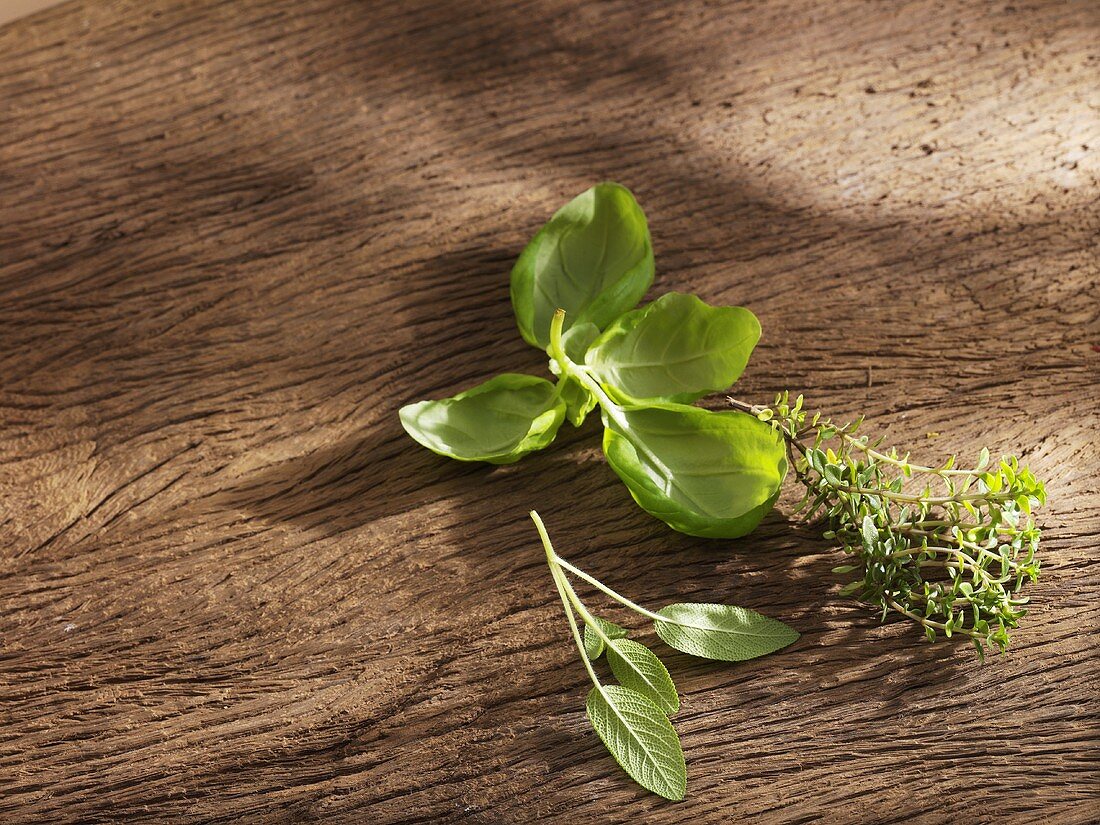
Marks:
<point>593,644</point>
<point>677,348</point>
<point>579,402</point>
<point>718,631</point>
<point>703,473</point>
<point>593,259</point>
<point>640,737</point>
<point>638,668</point>
<point>499,421</point>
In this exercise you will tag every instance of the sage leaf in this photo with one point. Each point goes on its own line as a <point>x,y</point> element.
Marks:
<point>640,737</point>
<point>638,668</point>
<point>499,421</point>
<point>718,631</point>
<point>594,259</point>
<point>677,348</point>
<point>593,644</point>
<point>579,402</point>
<point>703,473</point>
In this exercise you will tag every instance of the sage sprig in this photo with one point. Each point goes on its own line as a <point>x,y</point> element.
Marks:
<point>631,718</point>
<point>947,547</point>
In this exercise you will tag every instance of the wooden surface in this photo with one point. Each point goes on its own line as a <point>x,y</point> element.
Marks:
<point>236,237</point>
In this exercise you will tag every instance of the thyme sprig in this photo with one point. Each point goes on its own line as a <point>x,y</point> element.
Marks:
<point>950,548</point>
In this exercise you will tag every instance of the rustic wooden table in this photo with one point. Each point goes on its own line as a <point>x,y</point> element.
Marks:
<point>236,237</point>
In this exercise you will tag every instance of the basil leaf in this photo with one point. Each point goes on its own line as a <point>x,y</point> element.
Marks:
<point>579,402</point>
<point>703,473</point>
<point>639,669</point>
<point>594,259</point>
<point>593,644</point>
<point>577,339</point>
<point>677,347</point>
<point>499,421</point>
<point>718,631</point>
<point>640,737</point>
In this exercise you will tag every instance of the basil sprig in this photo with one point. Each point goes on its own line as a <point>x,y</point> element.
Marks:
<point>632,717</point>
<point>704,473</point>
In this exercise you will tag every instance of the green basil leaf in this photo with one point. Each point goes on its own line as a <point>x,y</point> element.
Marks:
<point>638,668</point>
<point>703,473</point>
<point>593,644</point>
<point>577,339</point>
<point>579,402</point>
<point>718,631</point>
<point>640,737</point>
<point>594,259</point>
<point>677,348</point>
<point>499,421</point>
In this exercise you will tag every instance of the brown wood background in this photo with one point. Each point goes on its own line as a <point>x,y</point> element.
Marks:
<point>236,237</point>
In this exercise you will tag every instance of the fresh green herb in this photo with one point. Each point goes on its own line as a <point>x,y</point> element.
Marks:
<point>593,259</point>
<point>704,473</point>
<point>674,349</point>
<point>593,642</point>
<point>631,718</point>
<point>949,548</point>
<point>499,421</point>
<point>717,631</point>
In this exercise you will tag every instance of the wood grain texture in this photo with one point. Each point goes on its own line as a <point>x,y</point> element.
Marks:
<point>236,236</point>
